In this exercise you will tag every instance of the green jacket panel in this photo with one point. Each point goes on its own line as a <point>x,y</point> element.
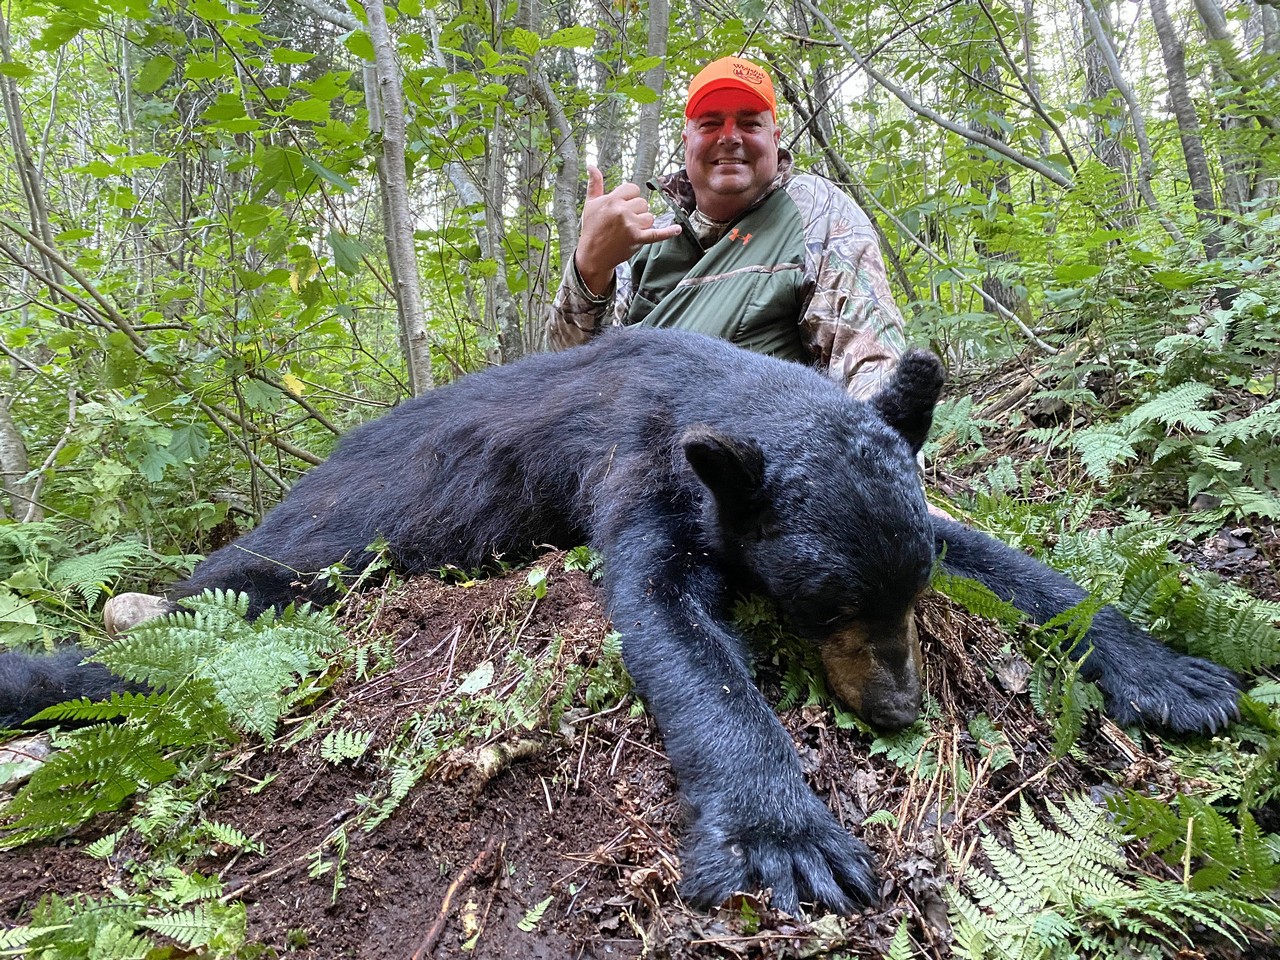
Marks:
<point>747,288</point>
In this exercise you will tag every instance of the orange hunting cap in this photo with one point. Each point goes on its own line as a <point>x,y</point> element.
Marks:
<point>732,73</point>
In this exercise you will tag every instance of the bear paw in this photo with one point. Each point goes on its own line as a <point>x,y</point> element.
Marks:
<point>1179,693</point>
<point>803,856</point>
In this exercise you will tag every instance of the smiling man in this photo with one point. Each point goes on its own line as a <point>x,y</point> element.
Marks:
<point>750,251</point>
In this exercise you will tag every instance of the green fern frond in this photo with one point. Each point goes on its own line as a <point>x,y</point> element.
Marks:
<point>1101,447</point>
<point>89,573</point>
<point>96,772</point>
<point>341,745</point>
<point>1053,891</point>
<point>210,649</point>
<point>976,598</point>
<point>901,948</point>
<point>229,836</point>
<point>201,925</point>
<point>1178,406</point>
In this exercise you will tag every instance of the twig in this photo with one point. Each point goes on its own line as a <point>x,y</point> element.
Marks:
<point>428,945</point>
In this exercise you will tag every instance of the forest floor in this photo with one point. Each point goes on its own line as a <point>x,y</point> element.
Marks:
<point>560,843</point>
<point>541,832</point>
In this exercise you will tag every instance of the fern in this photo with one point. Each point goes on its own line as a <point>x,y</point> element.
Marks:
<point>212,671</point>
<point>1061,891</point>
<point>1193,836</point>
<point>210,654</point>
<point>88,573</point>
<point>901,948</point>
<point>1131,566</point>
<point>202,925</point>
<point>229,836</point>
<point>96,772</point>
<point>342,744</point>
<point>908,749</point>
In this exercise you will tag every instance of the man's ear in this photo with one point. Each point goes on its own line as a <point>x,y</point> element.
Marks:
<point>906,402</point>
<point>731,467</point>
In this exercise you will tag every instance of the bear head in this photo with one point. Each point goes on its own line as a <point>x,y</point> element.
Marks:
<point>826,516</point>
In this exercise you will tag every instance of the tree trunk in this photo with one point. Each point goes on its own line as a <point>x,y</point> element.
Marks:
<point>651,113</point>
<point>393,177</point>
<point>14,465</point>
<point>24,163</point>
<point>1184,112</point>
<point>1146,161</point>
<point>1105,129</point>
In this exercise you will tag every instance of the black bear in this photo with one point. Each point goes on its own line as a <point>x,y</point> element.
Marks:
<point>698,470</point>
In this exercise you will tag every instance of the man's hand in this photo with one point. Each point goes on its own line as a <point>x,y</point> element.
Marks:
<point>614,226</point>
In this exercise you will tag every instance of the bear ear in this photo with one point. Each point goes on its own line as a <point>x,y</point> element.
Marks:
<point>731,467</point>
<point>906,402</point>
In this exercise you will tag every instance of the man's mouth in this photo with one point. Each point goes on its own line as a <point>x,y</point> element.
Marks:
<point>728,162</point>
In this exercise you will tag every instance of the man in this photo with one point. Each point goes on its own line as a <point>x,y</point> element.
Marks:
<point>775,261</point>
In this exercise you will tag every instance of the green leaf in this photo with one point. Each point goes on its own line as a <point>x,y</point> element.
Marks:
<point>1071,272</point>
<point>207,68</point>
<point>190,443</point>
<point>281,55</point>
<point>17,619</point>
<point>154,73</point>
<point>1173,279</point>
<point>312,110</point>
<point>347,252</point>
<point>329,176</point>
<point>359,45</point>
<point>17,69</point>
<point>526,41</point>
<point>571,37</point>
<point>533,917</point>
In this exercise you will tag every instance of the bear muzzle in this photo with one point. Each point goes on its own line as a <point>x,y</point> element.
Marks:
<point>875,670</point>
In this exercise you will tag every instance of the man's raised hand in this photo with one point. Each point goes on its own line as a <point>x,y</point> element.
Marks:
<point>614,226</point>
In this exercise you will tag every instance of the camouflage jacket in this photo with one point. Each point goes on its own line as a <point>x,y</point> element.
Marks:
<point>797,275</point>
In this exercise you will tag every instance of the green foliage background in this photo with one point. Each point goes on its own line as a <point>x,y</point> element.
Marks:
<point>195,301</point>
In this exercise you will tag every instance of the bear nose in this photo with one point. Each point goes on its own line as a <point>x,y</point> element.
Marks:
<point>891,714</point>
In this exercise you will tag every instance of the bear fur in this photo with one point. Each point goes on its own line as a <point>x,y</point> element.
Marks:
<point>699,471</point>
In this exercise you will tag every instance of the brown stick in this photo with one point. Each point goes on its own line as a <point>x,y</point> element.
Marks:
<point>428,945</point>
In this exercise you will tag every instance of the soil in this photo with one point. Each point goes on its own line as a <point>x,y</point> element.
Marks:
<point>554,832</point>
<point>558,838</point>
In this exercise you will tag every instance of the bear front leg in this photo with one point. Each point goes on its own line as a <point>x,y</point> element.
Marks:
<point>753,821</point>
<point>1140,678</point>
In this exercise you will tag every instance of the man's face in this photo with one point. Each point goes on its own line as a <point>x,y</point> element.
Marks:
<point>731,152</point>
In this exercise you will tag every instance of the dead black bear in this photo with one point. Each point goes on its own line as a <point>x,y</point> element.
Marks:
<point>698,470</point>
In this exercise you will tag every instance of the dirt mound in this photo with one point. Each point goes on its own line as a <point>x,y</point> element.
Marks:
<point>479,790</point>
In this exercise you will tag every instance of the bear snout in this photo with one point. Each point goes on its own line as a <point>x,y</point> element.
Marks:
<point>875,670</point>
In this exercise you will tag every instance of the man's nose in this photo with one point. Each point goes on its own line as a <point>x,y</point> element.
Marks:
<point>730,131</point>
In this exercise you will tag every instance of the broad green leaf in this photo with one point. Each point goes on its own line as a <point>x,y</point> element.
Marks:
<point>282,55</point>
<point>359,45</point>
<point>571,37</point>
<point>17,619</point>
<point>154,73</point>
<point>639,93</point>
<point>312,110</point>
<point>153,463</point>
<point>329,176</point>
<point>259,395</point>
<point>208,68</point>
<point>347,252</point>
<point>526,41</point>
<point>190,443</point>
<point>17,69</point>
<point>1173,279</point>
<point>1071,272</point>
<point>143,161</point>
<point>227,106</point>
